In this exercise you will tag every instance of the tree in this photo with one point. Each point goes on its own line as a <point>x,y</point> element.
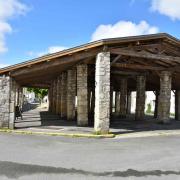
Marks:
<point>39,93</point>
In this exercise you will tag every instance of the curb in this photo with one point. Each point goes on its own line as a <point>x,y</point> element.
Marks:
<point>57,134</point>
<point>148,134</point>
<point>111,135</point>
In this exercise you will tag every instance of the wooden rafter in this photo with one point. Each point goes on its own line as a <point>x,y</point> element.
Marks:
<point>144,55</point>
<point>136,66</point>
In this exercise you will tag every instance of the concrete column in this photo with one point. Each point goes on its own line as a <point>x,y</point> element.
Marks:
<point>177,105</point>
<point>123,97</point>
<point>156,103</point>
<point>64,95</point>
<point>164,97</point>
<point>102,93</point>
<point>140,97</point>
<point>12,116</point>
<point>117,103</point>
<point>129,102</point>
<point>82,95</point>
<point>71,93</point>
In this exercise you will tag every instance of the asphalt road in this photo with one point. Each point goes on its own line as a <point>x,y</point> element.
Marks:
<point>53,158</point>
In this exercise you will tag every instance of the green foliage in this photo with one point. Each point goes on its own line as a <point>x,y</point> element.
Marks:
<point>148,108</point>
<point>39,93</point>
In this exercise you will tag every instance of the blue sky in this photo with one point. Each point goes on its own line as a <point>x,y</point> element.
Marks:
<point>30,28</point>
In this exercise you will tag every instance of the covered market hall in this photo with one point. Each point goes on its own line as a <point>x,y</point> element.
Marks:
<point>81,81</point>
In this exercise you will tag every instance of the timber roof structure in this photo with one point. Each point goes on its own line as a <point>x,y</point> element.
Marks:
<point>130,56</point>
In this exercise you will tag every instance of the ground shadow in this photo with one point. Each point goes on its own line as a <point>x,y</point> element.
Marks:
<point>41,118</point>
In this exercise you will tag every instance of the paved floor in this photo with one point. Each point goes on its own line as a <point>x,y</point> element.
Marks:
<point>41,120</point>
<point>45,157</point>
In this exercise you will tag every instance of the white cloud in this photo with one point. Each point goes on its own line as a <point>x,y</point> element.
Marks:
<point>170,8</point>
<point>54,49</point>
<point>8,9</point>
<point>122,29</point>
<point>50,50</point>
<point>3,65</point>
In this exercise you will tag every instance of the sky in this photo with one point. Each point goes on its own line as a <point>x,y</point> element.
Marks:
<point>31,28</point>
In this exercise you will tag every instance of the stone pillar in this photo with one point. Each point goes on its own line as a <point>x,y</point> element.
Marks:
<point>156,104</point>
<point>59,92</point>
<point>164,97</point>
<point>82,95</point>
<point>8,89</point>
<point>129,102</point>
<point>4,101</point>
<point>20,98</point>
<point>140,97</point>
<point>50,98</point>
<point>111,100</point>
<point>123,97</point>
<point>57,95</point>
<point>64,95</point>
<point>117,103</point>
<point>177,105</point>
<point>89,100</point>
<point>17,96</point>
<point>93,101</point>
<point>71,93</point>
<point>102,93</point>
<point>13,90</point>
<point>54,96</point>
<point>52,91</point>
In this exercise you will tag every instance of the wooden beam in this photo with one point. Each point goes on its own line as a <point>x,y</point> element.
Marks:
<point>115,59</point>
<point>174,68</point>
<point>128,73</point>
<point>45,86</point>
<point>150,62</point>
<point>137,67</point>
<point>144,55</point>
<point>56,62</point>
